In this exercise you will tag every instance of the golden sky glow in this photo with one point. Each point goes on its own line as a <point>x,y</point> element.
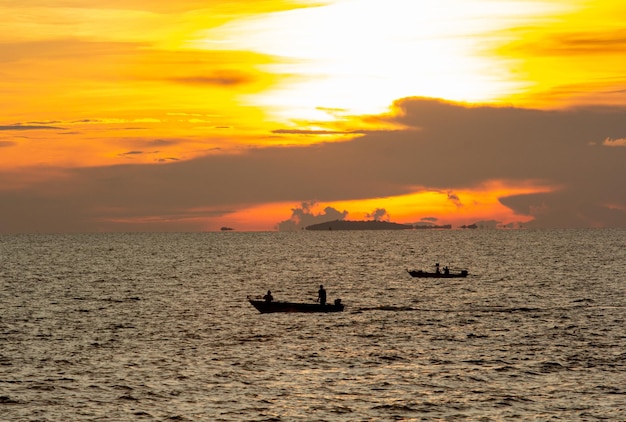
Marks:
<point>455,208</point>
<point>122,86</point>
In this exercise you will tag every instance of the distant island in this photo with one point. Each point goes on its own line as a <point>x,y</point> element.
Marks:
<point>358,225</point>
<point>225,229</point>
<point>380,225</point>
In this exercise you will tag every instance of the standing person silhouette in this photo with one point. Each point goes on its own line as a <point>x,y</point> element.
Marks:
<point>321,295</point>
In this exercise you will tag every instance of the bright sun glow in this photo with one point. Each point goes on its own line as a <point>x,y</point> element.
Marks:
<point>359,56</point>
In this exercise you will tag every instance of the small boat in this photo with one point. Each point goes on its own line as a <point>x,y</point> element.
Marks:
<point>266,307</point>
<point>438,273</point>
<point>425,274</point>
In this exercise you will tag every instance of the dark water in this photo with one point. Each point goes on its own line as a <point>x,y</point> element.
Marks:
<point>156,327</point>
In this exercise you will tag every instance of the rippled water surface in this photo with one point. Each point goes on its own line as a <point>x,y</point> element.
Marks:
<point>157,327</point>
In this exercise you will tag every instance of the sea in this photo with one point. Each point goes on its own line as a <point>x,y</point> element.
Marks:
<point>157,326</point>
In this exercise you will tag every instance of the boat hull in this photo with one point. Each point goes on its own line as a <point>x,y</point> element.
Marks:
<point>424,274</point>
<point>271,307</point>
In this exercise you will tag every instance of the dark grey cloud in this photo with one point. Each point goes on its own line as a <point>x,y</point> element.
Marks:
<point>556,147</point>
<point>446,147</point>
<point>122,154</point>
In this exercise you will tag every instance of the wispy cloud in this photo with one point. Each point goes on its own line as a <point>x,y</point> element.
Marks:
<point>591,43</point>
<point>20,127</point>
<point>131,153</point>
<point>223,78</point>
<point>163,142</point>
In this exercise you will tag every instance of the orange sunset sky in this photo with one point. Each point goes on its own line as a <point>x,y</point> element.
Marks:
<point>151,115</point>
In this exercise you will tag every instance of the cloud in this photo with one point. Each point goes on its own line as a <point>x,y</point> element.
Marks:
<point>222,78</point>
<point>28,127</point>
<point>454,198</point>
<point>591,43</point>
<point>162,142</point>
<point>457,147</point>
<point>379,214</point>
<point>304,216</point>
<point>122,154</point>
<point>6,144</point>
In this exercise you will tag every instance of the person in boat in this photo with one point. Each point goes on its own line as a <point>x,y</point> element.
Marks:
<point>437,268</point>
<point>321,295</point>
<point>446,270</point>
<point>268,297</point>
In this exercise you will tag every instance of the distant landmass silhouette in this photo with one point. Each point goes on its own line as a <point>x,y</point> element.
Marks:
<point>433,226</point>
<point>359,225</point>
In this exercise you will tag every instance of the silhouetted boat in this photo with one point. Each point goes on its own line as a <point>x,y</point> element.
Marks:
<point>438,273</point>
<point>425,274</point>
<point>268,307</point>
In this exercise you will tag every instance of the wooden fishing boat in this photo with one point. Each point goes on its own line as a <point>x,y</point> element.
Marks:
<point>266,307</point>
<point>446,273</point>
<point>425,274</point>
